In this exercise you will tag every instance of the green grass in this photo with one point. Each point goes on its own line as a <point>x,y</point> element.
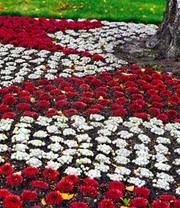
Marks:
<point>146,11</point>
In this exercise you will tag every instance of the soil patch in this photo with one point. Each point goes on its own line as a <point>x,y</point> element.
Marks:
<point>136,52</point>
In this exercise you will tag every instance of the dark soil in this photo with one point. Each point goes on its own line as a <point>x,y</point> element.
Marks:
<point>136,52</point>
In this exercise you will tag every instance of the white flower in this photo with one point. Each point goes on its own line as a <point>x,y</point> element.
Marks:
<point>40,134</point>
<point>20,147</point>
<point>71,143</point>
<point>18,155</point>
<point>83,137</point>
<point>120,143</point>
<point>120,159</point>
<point>20,138</point>
<point>70,152</point>
<point>93,173</point>
<point>1,160</point>
<point>123,152</point>
<point>84,160</point>
<point>136,181</point>
<point>3,147</point>
<point>37,143</point>
<point>125,134</point>
<point>50,155</point>
<point>56,139</point>
<point>96,117</point>
<point>53,165</point>
<point>73,171</point>
<point>102,158</point>
<point>115,177</point>
<point>53,129</point>
<point>102,139</point>
<point>144,138</point>
<point>55,147</point>
<point>69,131</point>
<point>162,166</point>
<point>85,145</point>
<point>177,161</point>
<point>65,159</point>
<point>161,149</point>
<point>38,153</point>
<point>106,149</point>
<point>122,170</point>
<point>163,140</point>
<point>85,152</point>
<point>3,137</point>
<point>143,172</point>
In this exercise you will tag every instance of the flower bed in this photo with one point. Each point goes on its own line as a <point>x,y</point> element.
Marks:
<point>78,129</point>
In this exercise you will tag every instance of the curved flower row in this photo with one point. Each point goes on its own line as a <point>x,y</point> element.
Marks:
<point>32,33</point>
<point>144,92</point>
<point>46,187</point>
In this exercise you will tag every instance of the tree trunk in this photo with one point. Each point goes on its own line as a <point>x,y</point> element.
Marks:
<point>167,38</point>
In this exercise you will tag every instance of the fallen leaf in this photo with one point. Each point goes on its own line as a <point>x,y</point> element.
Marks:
<point>2,8</point>
<point>43,201</point>
<point>66,196</point>
<point>129,188</point>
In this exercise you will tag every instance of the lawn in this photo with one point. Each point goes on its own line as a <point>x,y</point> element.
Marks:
<point>145,11</point>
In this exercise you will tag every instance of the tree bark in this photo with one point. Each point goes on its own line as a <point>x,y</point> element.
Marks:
<point>167,38</point>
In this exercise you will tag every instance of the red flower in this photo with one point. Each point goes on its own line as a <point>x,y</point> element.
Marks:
<point>159,204</point>
<point>91,182</point>
<point>79,105</point>
<point>120,100</point>
<point>156,76</point>
<point>30,172</point>
<point>92,111</point>
<point>155,98</point>
<point>4,108</point>
<point>101,93</point>
<point>141,115</point>
<point>88,191</point>
<point>86,54</point>
<point>49,87</point>
<point>116,185</point>
<point>86,100</point>
<point>23,106</point>
<point>43,82</point>
<point>97,57</point>
<point>162,117</point>
<point>78,205</point>
<point>119,112</point>
<point>56,92</point>
<point>72,178</point>
<point>104,101</point>
<point>157,104</point>
<point>39,184</point>
<point>166,197</point>
<point>9,99</point>
<point>61,103</point>
<point>54,198</point>
<point>70,112</point>
<point>14,180</point>
<point>176,204</point>
<point>12,201</point>
<point>139,202</point>
<point>29,195</point>
<point>172,114</point>
<point>137,97</point>
<point>85,87</point>
<point>42,104</point>
<point>4,193</point>
<point>96,82</point>
<point>141,191</point>
<point>65,186</point>
<point>106,203</point>
<point>76,81</point>
<point>6,169</point>
<point>132,90</point>
<point>154,111</point>
<point>114,194</point>
<point>174,98</point>
<point>118,94</point>
<point>31,114</point>
<point>51,112</point>
<point>50,174</point>
<point>72,94</point>
<point>10,115</point>
<point>112,83</point>
<point>136,107</point>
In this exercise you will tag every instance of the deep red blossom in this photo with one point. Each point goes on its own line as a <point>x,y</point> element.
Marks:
<point>136,107</point>
<point>101,94</point>
<point>104,102</point>
<point>13,88</point>
<point>79,105</point>
<point>70,112</point>
<point>114,194</point>
<point>43,81</point>
<point>12,201</point>
<point>176,203</point>
<point>147,77</point>
<point>85,87</point>
<point>120,100</point>
<point>86,54</point>
<point>168,198</point>
<point>119,112</point>
<point>78,205</point>
<point>112,83</point>
<point>49,87</point>
<point>72,94</point>
<point>54,198</point>
<point>4,193</point>
<point>4,108</point>
<point>165,92</point>
<point>96,82</point>
<point>174,98</point>
<point>31,114</point>
<point>159,204</point>
<point>106,203</point>
<point>139,202</point>
<point>6,169</point>
<point>14,180</point>
<point>137,97</point>
<point>97,57</point>
<point>130,84</point>
<point>97,106</point>
<point>56,92</point>
<point>4,91</point>
<point>156,75</point>
<point>61,103</point>
<point>65,186</point>
<point>118,94</point>
<point>92,111</point>
<point>141,115</point>
<point>50,174</point>
<point>91,182</point>
<point>51,112</point>
<point>9,99</point>
<point>29,195</point>
<point>86,100</point>
<point>135,67</point>
<point>23,106</point>
<point>72,178</point>
<point>162,117</point>
<point>155,98</point>
<point>151,92</point>
<point>88,94</point>
<point>116,185</point>
<point>42,104</point>
<point>142,192</point>
<point>39,184</point>
<point>8,114</point>
<point>30,172</point>
<point>172,114</point>
<point>87,190</point>
<point>76,81</point>
<point>132,90</point>
<point>154,111</point>
<point>157,104</point>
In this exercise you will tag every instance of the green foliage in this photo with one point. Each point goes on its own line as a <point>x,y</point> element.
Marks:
<point>146,11</point>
